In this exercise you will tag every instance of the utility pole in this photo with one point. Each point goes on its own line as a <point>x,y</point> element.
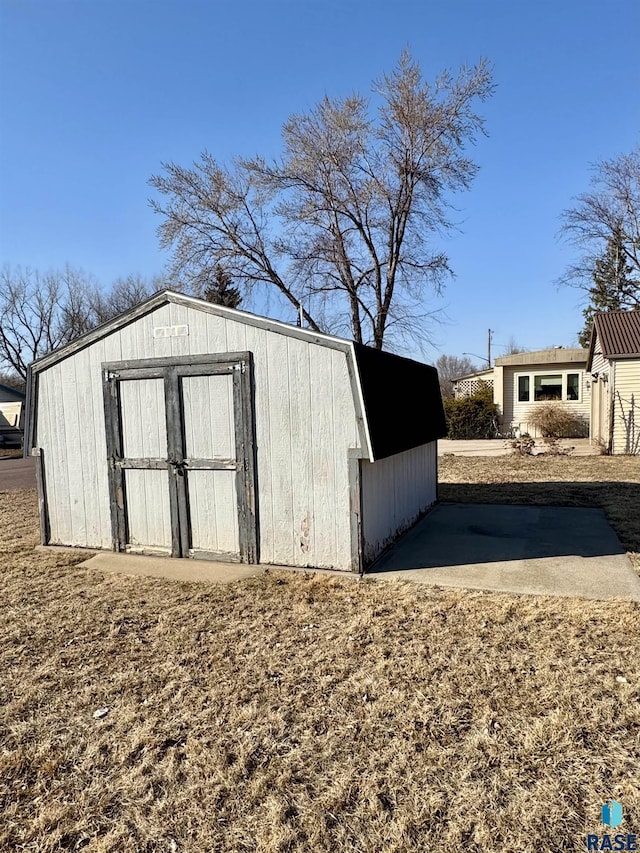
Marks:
<point>489,336</point>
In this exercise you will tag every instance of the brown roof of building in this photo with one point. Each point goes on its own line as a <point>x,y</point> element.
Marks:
<point>618,333</point>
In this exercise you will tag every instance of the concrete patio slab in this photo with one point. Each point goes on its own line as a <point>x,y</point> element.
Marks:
<point>557,551</point>
<point>521,549</point>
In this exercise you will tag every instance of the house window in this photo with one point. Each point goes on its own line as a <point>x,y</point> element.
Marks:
<point>547,387</point>
<point>573,386</point>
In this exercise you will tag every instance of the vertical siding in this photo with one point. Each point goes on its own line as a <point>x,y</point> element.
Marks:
<point>304,540</point>
<point>508,381</point>
<point>276,407</point>
<point>395,491</point>
<point>626,393</point>
<point>600,425</point>
<point>305,426</point>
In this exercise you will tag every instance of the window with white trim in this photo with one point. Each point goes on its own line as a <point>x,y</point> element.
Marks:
<point>540,387</point>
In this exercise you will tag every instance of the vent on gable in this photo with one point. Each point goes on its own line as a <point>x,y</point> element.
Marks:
<point>171,331</point>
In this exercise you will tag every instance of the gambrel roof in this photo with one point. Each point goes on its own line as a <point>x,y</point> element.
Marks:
<point>399,398</point>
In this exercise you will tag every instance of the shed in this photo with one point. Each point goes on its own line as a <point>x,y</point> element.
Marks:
<point>614,365</point>
<point>194,430</point>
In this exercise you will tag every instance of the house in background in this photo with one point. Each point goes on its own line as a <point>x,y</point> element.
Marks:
<point>614,367</point>
<point>524,380</point>
<point>11,416</point>
<point>469,384</point>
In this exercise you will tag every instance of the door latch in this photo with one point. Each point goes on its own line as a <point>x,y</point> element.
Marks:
<point>178,466</point>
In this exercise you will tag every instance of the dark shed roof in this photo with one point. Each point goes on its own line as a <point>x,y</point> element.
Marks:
<point>9,390</point>
<point>401,397</point>
<point>618,333</point>
<point>402,401</point>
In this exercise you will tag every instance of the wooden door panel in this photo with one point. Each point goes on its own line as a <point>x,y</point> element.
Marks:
<point>209,431</point>
<point>144,444</point>
<point>148,510</point>
<point>210,464</point>
<point>180,447</point>
<point>143,424</point>
<point>213,511</point>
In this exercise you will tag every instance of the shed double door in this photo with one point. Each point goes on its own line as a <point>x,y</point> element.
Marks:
<point>180,454</point>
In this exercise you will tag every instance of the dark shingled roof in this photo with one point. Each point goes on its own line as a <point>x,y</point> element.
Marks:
<point>9,389</point>
<point>402,401</point>
<point>618,333</point>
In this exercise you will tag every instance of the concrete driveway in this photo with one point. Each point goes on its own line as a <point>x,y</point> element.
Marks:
<point>521,549</point>
<point>502,447</point>
<point>17,473</point>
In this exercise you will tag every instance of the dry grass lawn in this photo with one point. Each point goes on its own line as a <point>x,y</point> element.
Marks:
<point>299,713</point>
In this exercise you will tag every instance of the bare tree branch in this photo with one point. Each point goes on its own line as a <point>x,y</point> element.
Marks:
<point>344,223</point>
<point>608,214</point>
<point>43,311</point>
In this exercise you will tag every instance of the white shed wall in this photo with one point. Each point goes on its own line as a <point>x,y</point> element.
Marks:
<point>395,491</point>
<point>305,426</point>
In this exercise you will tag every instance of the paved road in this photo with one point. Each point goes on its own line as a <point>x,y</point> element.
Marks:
<point>17,473</point>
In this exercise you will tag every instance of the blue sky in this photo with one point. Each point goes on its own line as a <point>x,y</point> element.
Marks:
<point>94,95</point>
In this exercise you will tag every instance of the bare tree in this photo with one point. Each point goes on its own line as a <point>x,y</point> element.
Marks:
<point>12,380</point>
<point>608,215</point>
<point>40,312</point>
<point>450,367</point>
<point>343,225</point>
<point>512,347</point>
<point>125,293</point>
<point>43,311</point>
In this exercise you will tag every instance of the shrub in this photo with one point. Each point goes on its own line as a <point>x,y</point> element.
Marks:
<point>523,446</point>
<point>554,448</point>
<point>555,420</point>
<point>472,417</point>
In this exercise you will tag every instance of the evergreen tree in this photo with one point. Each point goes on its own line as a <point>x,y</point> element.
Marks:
<point>221,291</point>
<point>613,289</point>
